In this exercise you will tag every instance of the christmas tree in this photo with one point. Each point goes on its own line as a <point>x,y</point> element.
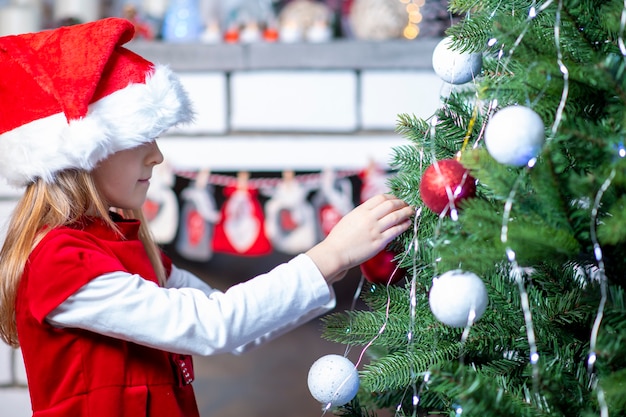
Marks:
<point>514,299</point>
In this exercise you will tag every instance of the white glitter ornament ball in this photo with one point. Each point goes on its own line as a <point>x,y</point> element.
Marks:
<point>514,135</point>
<point>333,380</point>
<point>455,295</point>
<point>455,67</point>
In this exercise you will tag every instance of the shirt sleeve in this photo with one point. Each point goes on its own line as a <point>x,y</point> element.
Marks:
<point>180,278</point>
<point>190,317</point>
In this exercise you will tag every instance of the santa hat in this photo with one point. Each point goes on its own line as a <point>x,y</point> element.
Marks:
<point>73,96</point>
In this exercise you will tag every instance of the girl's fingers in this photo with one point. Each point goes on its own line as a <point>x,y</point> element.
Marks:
<point>377,200</point>
<point>397,217</point>
<point>385,205</point>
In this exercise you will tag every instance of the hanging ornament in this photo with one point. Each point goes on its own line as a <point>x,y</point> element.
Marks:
<point>374,181</point>
<point>382,269</point>
<point>453,66</point>
<point>161,205</point>
<point>458,298</point>
<point>514,135</point>
<point>332,201</point>
<point>289,217</point>
<point>199,214</point>
<point>241,230</point>
<point>333,380</point>
<point>446,183</point>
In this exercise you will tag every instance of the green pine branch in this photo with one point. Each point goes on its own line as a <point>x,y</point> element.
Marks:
<point>564,219</point>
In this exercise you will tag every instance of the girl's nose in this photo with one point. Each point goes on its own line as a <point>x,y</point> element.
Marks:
<point>156,156</point>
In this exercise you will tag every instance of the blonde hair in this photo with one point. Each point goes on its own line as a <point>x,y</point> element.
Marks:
<point>45,206</point>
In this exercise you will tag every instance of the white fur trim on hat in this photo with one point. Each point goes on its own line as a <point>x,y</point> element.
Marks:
<point>136,114</point>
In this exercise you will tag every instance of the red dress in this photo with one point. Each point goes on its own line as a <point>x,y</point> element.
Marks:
<point>73,372</point>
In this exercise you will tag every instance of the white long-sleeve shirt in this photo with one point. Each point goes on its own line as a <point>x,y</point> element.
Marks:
<point>190,317</point>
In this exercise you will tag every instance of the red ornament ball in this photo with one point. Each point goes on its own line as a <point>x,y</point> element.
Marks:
<point>381,269</point>
<point>444,183</point>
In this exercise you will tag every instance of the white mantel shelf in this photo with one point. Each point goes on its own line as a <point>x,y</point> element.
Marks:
<point>338,54</point>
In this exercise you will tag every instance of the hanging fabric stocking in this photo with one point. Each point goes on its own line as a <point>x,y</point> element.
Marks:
<point>161,205</point>
<point>199,215</point>
<point>332,201</point>
<point>240,229</point>
<point>374,181</point>
<point>289,217</point>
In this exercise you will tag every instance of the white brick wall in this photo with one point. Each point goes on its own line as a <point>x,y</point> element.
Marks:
<point>15,402</point>
<point>300,101</point>
<point>208,92</point>
<point>6,365</point>
<point>386,94</point>
<point>266,119</point>
<point>12,372</point>
<point>261,153</point>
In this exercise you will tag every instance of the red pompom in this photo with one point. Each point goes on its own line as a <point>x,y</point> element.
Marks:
<point>381,269</point>
<point>446,173</point>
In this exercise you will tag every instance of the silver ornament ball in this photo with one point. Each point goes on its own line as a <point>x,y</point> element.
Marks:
<point>456,296</point>
<point>455,67</point>
<point>515,135</point>
<point>333,380</point>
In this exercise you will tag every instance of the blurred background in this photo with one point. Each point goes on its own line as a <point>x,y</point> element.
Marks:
<point>297,104</point>
<point>239,20</point>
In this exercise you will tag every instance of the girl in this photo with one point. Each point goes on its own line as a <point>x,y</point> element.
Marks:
<point>105,322</point>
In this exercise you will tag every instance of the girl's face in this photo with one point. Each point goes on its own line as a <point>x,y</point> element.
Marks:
<point>123,178</point>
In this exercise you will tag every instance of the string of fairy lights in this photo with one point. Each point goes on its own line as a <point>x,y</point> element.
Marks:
<point>414,18</point>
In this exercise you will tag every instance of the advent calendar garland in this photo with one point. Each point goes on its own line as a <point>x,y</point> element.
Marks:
<point>257,215</point>
<point>224,180</point>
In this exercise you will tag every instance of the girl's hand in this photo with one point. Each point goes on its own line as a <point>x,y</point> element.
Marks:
<point>361,234</point>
